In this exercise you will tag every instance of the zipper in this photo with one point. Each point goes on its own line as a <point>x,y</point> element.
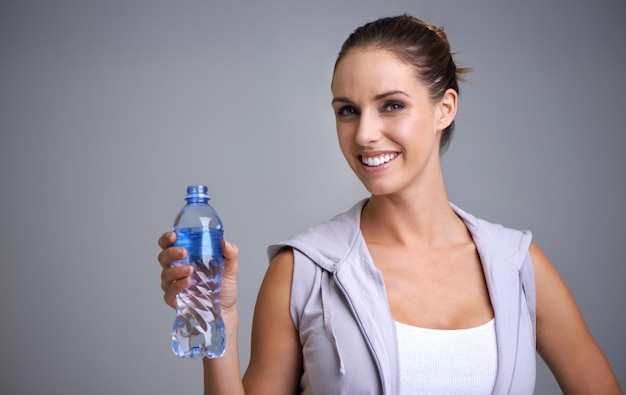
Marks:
<point>367,339</point>
<point>519,310</point>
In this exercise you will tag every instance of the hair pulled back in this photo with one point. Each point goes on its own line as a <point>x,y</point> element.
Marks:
<point>417,43</point>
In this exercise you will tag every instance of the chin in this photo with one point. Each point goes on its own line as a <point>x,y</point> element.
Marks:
<point>380,190</point>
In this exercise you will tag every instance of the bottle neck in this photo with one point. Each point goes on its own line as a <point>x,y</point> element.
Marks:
<point>197,200</point>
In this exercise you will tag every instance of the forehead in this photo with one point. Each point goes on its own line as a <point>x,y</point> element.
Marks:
<point>364,70</point>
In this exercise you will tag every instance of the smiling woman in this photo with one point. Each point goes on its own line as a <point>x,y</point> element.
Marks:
<point>423,46</point>
<point>344,304</point>
<point>383,111</point>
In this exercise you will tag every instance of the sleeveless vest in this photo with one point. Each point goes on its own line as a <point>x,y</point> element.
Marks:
<point>348,336</point>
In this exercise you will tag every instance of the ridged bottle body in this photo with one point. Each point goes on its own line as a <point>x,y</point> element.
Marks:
<point>198,329</point>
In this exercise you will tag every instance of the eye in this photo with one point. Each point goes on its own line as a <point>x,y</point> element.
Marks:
<point>393,106</point>
<point>346,111</point>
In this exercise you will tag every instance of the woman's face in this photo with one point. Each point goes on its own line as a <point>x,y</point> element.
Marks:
<point>388,127</point>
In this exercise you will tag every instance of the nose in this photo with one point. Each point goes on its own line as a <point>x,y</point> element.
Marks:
<point>368,130</point>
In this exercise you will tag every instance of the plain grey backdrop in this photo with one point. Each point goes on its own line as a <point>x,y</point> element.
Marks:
<point>109,109</point>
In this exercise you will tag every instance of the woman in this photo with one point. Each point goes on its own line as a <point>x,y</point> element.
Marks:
<point>404,293</point>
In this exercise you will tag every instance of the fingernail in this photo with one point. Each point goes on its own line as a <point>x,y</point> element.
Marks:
<point>187,270</point>
<point>228,245</point>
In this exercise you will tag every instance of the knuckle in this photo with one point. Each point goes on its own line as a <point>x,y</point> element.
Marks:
<point>160,258</point>
<point>165,240</point>
<point>162,241</point>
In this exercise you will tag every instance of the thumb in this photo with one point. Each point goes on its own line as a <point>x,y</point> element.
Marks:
<point>229,250</point>
<point>231,255</point>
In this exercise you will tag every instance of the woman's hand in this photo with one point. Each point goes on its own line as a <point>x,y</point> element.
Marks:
<point>177,278</point>
<point>221,375</point>
<point>173,279</point>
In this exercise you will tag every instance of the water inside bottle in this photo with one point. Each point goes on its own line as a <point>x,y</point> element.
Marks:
<point>198,329</point>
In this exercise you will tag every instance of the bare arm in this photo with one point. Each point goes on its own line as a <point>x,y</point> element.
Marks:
<point>276,355</point>
<point>563,339</point>
<point>275,361</point>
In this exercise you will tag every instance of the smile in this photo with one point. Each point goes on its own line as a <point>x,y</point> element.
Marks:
<point>375,161</point>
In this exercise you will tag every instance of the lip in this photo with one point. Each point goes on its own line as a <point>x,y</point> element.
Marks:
<point>376,161</point>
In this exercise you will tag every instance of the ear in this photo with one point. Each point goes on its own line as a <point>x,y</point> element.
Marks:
<point>447,107</point>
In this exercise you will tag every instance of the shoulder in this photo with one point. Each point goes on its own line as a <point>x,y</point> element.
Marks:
<point>553,296</point>
<point>546,275</point>
<point>539,258</point>
<point>282,261</point>
<point>276,284</point>
<point>328,243</point>
<point>502,241</point>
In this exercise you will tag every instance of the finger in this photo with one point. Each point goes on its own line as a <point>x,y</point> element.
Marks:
<point>173,289</point>
<point>166,239</point>
<point>171,254</point>
<point>170,300</point>
<point>175,275</point>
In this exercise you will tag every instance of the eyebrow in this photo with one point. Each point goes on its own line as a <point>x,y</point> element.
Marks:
<point>390,93</point>
<point>377,97</point>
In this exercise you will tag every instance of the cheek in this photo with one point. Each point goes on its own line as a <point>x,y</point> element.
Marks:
<point>404,131</point>
<point>420,128</point>
<point>345,148</point>
<point>344,138</point>
<point>345,145</point>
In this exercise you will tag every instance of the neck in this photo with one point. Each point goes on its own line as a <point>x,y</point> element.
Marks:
<point>421,215</point>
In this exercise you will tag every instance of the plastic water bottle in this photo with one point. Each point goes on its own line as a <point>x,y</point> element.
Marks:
<point>198,330</point>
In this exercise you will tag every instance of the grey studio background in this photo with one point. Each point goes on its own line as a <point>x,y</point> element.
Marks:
<point>109,109</point>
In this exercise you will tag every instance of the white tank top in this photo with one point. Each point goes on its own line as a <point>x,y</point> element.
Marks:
<point>459,361</point>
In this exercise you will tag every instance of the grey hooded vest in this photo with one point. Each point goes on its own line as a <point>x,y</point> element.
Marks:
<point>348,336</point>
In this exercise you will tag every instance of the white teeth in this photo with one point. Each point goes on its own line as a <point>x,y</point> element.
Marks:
<point>377,160</point>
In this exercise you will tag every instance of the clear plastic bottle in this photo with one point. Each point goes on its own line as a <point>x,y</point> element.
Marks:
<point>198,330</point>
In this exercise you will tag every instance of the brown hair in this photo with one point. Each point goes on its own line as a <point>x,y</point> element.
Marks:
<point>419,44</point>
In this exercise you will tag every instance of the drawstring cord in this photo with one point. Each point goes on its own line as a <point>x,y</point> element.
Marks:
<point>328,320</point>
